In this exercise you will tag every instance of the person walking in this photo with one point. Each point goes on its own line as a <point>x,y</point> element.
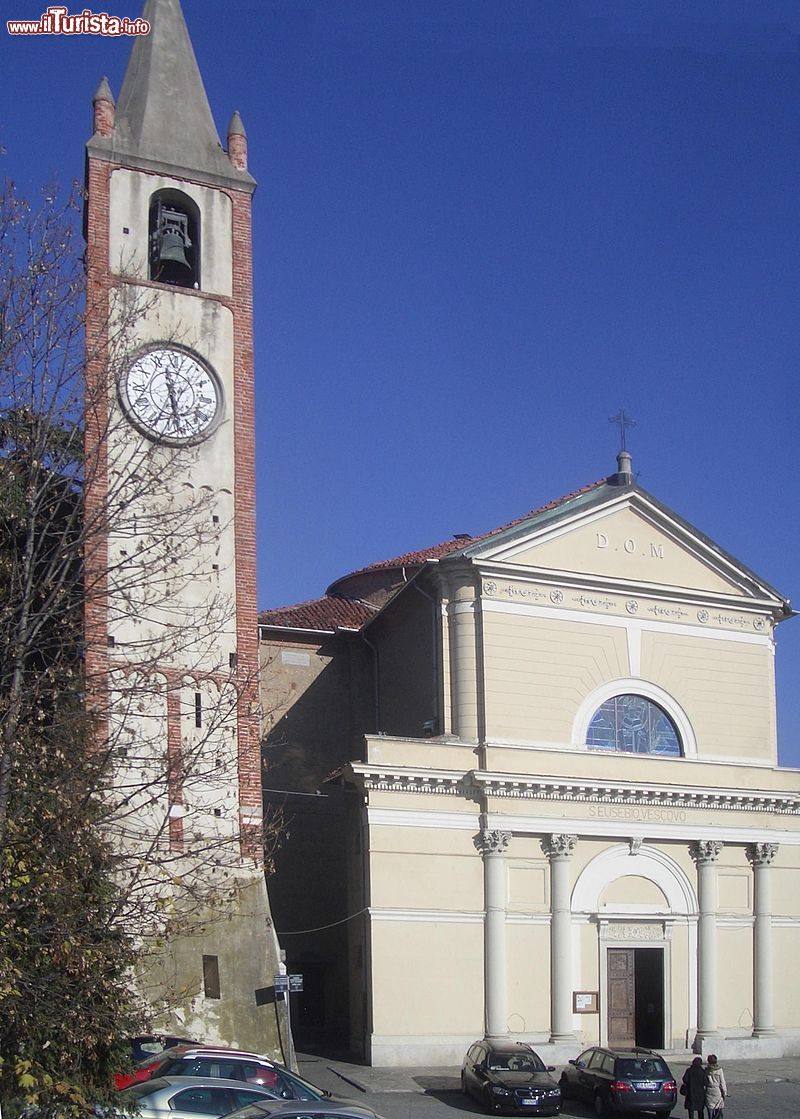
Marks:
<point>716,1088</point>
<point>693,1088</point>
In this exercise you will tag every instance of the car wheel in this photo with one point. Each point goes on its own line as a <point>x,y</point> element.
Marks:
<point>600,1105</point>
<point>487,1101</point>
<point>464,1084</point>
<point>563,1084</point>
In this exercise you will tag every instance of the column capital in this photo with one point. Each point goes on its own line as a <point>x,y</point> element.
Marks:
<point>761,854</point>
<point>705,851</point>
<point>492,842</point>
<point>559,846</point>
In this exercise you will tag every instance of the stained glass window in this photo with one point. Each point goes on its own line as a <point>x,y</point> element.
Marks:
<point>634,725</point>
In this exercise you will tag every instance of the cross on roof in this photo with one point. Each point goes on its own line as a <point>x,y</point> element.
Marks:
<point>622,421</point>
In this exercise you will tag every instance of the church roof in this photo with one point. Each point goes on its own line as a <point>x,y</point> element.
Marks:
<point>338,609</point>
<point>320,615</point>
<point>463,542</point>
<point>163,119</point>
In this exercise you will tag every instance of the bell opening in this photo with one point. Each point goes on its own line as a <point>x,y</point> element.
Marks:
<point>174,255</point>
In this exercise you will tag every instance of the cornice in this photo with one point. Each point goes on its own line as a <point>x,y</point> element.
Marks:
<point>477,783</point>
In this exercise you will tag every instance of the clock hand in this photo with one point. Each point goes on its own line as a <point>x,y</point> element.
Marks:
<point>173,397</point>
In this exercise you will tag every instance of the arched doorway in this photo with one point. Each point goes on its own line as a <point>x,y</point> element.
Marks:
<point>635,895</point>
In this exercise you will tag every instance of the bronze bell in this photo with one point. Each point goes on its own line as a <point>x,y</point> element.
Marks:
<point>171,238</point>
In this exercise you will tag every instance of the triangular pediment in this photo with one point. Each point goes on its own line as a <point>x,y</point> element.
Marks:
<point>626,537</point>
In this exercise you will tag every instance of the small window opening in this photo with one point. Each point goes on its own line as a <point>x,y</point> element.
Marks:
<point>211,987</point>
<point>198,709</point>
<point>233,659</point>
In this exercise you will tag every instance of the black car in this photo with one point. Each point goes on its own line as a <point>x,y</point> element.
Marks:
<point>509,1076</point>
<point>621,1080</point>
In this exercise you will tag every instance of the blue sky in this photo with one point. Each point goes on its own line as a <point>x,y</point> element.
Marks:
<point>481,228</point>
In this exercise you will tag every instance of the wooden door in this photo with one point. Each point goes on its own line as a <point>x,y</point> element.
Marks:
<point>621,997</point>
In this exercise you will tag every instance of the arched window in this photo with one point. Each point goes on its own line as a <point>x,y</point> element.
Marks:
<point>633,725</point>
<point>174,239</point>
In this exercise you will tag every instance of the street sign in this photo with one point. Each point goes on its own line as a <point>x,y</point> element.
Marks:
<point>285,983</point>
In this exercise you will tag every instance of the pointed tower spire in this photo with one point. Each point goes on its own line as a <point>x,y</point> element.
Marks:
<point>237,142</point>
<point>104,109</point>
<point>163,120</point>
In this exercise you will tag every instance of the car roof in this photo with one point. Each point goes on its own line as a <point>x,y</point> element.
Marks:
<point>160,1082</point>
<point>214,1050</point>
<point>308,1107</point>
<point>503,1046</point>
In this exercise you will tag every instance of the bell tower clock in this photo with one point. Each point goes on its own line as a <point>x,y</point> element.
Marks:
<point>171,626</point>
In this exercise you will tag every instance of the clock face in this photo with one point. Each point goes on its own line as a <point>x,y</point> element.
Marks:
<point>171,396</point>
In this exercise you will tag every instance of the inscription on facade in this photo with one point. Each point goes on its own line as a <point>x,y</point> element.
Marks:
<point>634,812</point>
<point>650,550</point>
<point>618,931</point>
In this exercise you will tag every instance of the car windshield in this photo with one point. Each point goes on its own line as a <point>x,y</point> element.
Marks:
<point>647,1067</point>
<point>144,1088</point>
<point>514,1062</point>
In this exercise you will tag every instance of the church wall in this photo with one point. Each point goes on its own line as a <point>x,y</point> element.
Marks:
<point>528,976</point>
<point>538,671</point>
<point>735,959</point>
<point>624,544</point>
<point>316,700</point>
<point>424,869</point>
<point>786,940</point>
<point>407,661</point>
<point>726,688</point>
<point>431,981</point>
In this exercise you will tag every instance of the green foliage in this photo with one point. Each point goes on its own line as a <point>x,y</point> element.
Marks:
<point>64,961</point>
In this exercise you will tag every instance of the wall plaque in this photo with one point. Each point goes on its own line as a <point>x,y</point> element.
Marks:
<point>584,1002</point>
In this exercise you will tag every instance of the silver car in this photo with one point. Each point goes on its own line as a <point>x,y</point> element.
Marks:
<point>188,1097</point>
<point>305,1109</point>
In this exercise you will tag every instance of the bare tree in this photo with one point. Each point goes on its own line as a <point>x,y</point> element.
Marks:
<point>107,838</point>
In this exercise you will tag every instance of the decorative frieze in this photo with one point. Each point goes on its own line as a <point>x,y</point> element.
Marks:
<point>599,602</point>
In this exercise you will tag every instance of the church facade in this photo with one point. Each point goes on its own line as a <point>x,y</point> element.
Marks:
<point>548,804</point>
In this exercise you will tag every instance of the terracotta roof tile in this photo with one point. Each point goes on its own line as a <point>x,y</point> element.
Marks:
<point>320,614</point>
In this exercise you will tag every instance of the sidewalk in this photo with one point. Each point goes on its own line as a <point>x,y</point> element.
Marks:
<point>343,1079</point>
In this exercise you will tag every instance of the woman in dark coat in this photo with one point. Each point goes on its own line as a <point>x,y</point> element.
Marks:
<point>693,1088</point>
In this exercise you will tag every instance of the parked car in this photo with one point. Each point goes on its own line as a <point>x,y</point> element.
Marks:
<point>509,1076</point>
<point>317,1109</point>
<point>186,1097</point>
<point>150,1045</point>
<point>229,1064</point>
<point>628,1080</point>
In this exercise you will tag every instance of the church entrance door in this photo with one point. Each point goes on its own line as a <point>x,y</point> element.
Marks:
<point>636,997</point>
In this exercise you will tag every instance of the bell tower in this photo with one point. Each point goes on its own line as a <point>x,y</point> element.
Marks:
<point>171,625</point>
